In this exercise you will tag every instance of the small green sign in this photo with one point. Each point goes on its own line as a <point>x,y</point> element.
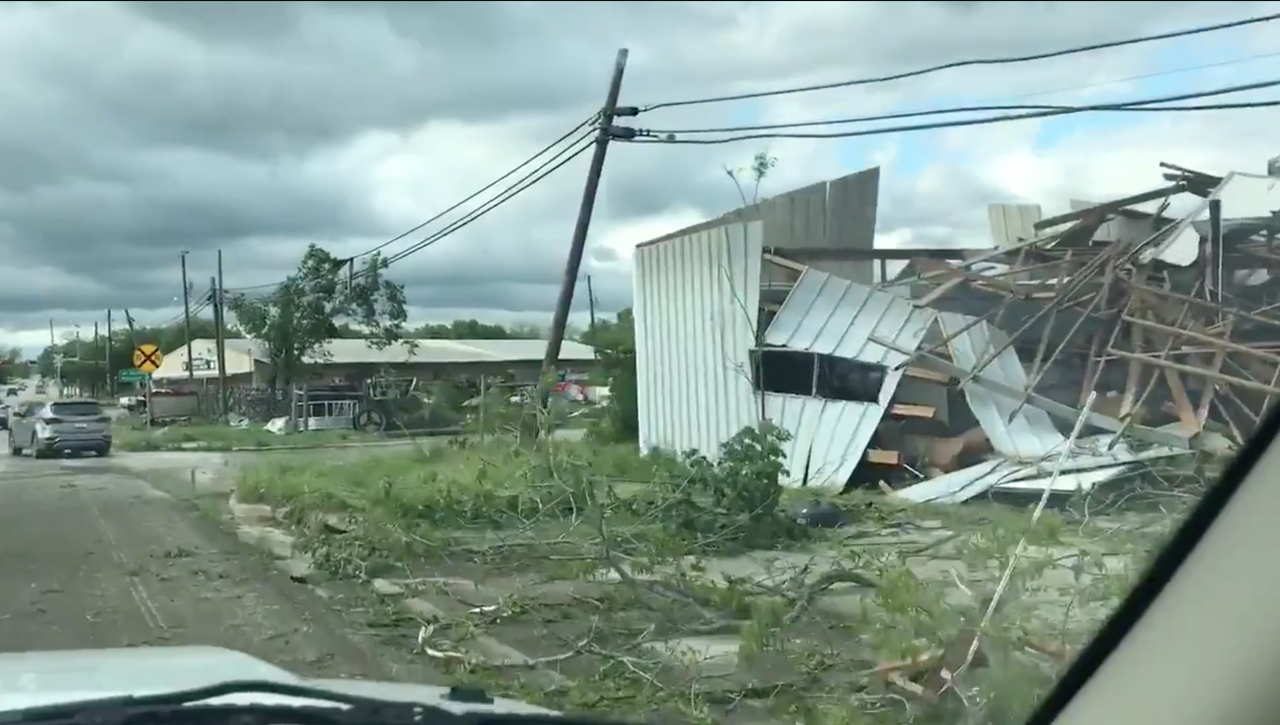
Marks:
<point>133,376</point>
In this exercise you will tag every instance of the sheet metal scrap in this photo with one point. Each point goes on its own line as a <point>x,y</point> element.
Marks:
<point>1173,318</point>
<point>1166,302</point>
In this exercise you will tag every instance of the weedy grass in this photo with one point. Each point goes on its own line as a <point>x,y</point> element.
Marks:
<point>676,587</point>
<point>135,436</point>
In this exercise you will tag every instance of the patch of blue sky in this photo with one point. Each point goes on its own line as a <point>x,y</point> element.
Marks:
<point>1168,70</point>
<point>1207,63</point>
<point>1173,71</point>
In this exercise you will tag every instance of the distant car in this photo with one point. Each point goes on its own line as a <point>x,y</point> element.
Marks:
<point>47,428</point>
<point>11,391</point>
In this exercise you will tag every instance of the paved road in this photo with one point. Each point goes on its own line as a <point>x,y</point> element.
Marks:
<point>92,557</point>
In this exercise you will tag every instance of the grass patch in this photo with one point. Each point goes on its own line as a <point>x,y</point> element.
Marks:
<point>673,587</point>
<point>135,436</point>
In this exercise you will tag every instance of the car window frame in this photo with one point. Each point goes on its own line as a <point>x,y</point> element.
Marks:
<point>1197,640</point>
<point>53,408</point>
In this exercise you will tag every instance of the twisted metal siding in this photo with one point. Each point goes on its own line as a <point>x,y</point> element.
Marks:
<point>833,316</point>
<point>1028,436</point>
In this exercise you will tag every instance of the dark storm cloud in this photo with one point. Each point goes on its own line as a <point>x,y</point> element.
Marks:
<point>131,131</point>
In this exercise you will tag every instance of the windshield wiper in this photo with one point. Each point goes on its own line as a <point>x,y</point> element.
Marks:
<point>179,707</point>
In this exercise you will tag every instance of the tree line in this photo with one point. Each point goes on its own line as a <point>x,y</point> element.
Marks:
<point>329,298</point>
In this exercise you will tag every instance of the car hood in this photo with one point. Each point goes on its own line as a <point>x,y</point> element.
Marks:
<point>28,679</point>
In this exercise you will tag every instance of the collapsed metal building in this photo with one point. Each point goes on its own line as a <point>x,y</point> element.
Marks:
<point>964,370</point>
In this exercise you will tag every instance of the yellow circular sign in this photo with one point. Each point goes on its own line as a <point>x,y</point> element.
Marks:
<point>147,358</point>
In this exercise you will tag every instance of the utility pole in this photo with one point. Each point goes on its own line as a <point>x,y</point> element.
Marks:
<point>186,314</point>
<point>591,309</point>
<point>133,334</point>
<point>57,371</point>
<point>219,321</point>
<point>97,358</point>
<point>111,380</point>
<point>608,113</point>
<point>53,342</point>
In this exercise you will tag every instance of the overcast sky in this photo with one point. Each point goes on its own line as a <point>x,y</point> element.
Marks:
<point>133,131</point>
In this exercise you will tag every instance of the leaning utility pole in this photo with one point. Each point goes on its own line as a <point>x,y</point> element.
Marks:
<point>608,113</point>
<point>133,333</point>
<point>220,322</point>
<point>186,314</point>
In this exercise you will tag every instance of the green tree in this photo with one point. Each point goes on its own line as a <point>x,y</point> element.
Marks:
<point>752,176</point>
<point>475,330</point>
<point>461,330</point>
<point>12,365</point>
<point>315,304</point>
<point>615,344</point>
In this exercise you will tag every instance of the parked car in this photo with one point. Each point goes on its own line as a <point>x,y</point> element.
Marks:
<point>48,428</point>
<point>4,416</point>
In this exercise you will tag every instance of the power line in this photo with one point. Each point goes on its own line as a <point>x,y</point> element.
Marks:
<point>644,136</point>
<point>1133,106</point>
<point>967,63</point>
<point>207,299</point>
<point>1142,77</point>
<point>482,189</point>
<point>576,129</point>
<point>525,183</point>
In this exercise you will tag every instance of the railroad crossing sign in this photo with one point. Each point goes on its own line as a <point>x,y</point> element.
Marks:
<point>147,358</point>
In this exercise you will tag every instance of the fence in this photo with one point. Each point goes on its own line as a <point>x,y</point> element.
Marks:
<point>254,403</point>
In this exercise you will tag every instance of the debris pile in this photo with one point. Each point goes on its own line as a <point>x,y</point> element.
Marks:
<point>969,372</point>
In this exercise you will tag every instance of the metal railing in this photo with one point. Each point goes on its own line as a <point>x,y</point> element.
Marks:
<point>325,414</point>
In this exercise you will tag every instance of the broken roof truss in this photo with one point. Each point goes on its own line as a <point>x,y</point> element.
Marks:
<point>1173,318</point>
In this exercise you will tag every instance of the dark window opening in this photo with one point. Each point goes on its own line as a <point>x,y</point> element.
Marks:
<point>795,372</point>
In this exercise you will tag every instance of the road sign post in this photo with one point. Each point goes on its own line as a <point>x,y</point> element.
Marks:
<point>147,359</point>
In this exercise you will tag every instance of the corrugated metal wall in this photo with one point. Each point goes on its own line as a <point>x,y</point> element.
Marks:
<point>832,316</point>
<point>696,308</point>
<point>839,214</point>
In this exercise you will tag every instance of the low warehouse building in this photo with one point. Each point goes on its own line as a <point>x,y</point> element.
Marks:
<point>516,361</point>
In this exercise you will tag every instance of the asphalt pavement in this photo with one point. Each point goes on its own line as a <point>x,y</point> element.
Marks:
<point>92,557</point>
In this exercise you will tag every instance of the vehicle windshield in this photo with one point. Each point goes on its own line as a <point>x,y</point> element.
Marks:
<point>862,403</point>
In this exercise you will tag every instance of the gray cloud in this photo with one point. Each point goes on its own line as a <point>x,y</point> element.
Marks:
<point>132,131</point>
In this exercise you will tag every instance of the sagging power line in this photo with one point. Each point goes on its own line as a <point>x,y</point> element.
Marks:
<point>574,136</point>
<point>526,182</point>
